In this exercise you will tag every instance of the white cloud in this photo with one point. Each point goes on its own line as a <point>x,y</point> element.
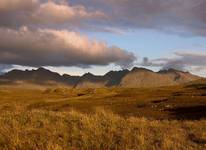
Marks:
<point>4,67</point>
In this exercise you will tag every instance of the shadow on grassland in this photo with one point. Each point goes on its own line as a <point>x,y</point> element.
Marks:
<point>188,113</point>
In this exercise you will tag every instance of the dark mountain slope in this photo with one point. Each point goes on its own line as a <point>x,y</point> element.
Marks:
<point>40,76</point>
<point>137,77</point>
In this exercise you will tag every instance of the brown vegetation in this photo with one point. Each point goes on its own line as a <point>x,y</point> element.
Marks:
<point>45,130</point>
<point>167,118</point>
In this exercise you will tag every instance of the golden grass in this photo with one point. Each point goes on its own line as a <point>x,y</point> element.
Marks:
<point>104,119</point>
<point>22,129</point>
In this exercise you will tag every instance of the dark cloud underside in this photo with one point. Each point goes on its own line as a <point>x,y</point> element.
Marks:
<point>179,16</point>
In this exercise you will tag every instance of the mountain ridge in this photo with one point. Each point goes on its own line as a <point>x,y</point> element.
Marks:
<point>136,77</point>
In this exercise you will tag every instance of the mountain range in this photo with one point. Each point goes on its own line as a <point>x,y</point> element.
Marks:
<point>135,78</point>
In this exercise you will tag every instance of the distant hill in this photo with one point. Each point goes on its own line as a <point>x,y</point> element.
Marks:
<point>112,78</point>
<point>41,76</point>
<point>137,77</point>
<point>140,77</point>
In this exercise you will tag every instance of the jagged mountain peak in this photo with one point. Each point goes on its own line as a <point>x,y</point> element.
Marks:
<point>116,72</point>
<point>88,74</point>
<point>42,69</point>
<point>135,69</point>
<point>172,70</point>
<point>137,77</point>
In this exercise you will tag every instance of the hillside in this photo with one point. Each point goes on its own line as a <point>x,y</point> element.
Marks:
<point>137,77</point>
<point>110,79</point>
<point>41,76</point>
<point>140,77</point>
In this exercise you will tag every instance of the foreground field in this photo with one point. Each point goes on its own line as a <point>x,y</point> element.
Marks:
<point>167,118</point>
<point>45,130</point>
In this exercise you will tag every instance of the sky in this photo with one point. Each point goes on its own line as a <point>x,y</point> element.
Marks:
<point>80,36</point>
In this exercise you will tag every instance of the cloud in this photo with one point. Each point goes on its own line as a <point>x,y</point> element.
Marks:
<point>49,47</point>
<point>29,37</point>
<point>17,5</point>
<point>4,67</point>
<point>178,16</point>
<point>35,12</point>
<point>181,60</point>
<point>148,63</point>
<point>51,12</point>
<point>31,40</point>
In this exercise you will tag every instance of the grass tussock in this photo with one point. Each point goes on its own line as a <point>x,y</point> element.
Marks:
<point>23,129</point>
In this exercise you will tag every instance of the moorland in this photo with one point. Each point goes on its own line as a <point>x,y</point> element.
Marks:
<point>48,117</point>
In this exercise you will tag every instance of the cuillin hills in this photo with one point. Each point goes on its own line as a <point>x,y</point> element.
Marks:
<point>137,77</point>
